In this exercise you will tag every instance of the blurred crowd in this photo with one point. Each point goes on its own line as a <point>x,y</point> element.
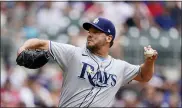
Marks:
<point>62,22</point>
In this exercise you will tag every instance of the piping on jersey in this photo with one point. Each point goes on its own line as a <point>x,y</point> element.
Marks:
<point>86,97</point>
<point>78,99</point>
<point>74,96</point>
<point>87,101</point>
<point>94,97</point>
<point>96,61</point>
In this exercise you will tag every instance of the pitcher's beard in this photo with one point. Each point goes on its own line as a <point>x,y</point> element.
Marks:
<point>95,48</point>
<point>92,48</point>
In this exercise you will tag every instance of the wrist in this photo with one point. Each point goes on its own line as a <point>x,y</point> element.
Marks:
<point>149,61</point>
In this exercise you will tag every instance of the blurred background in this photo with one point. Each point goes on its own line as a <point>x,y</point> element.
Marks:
<point>138,24</point>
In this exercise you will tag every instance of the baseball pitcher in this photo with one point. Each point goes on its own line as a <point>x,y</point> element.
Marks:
<point>91,76</point>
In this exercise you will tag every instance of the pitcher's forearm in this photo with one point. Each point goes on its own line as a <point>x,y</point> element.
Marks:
<point>147,70</point>
<point>36,44</point>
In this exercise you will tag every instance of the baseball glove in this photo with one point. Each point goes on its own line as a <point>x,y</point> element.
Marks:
<point>33,59</point>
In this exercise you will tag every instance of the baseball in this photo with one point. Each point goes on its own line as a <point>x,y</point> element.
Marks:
<point>149,53</point>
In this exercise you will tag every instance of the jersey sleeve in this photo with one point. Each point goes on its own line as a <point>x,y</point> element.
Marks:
<point>130,72</point>
<point>62,53</point>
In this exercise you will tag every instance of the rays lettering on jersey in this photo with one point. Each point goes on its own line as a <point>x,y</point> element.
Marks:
<point>99,79</point>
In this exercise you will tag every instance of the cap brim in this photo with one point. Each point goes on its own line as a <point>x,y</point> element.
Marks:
<point>87,25</point>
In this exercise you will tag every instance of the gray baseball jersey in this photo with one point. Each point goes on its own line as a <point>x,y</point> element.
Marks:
<point>89,81</point>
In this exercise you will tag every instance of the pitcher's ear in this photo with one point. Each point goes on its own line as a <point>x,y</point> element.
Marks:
<point>109,38</point>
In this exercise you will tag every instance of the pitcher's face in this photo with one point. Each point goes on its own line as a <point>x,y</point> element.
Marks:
<point>96,39</point>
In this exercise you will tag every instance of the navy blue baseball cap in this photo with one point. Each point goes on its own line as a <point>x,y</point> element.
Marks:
<point>102,24</point>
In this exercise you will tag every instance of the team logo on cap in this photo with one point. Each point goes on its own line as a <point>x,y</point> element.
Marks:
<point>96,21</point>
